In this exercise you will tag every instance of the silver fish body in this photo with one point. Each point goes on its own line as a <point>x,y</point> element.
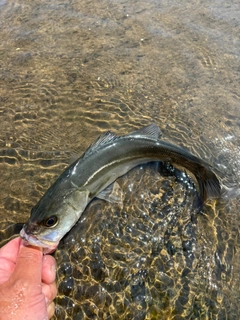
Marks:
<point>105,160</point>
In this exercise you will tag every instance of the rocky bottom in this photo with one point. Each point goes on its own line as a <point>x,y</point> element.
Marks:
<point>155,257</point>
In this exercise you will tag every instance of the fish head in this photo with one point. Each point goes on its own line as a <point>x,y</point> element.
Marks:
<point>52,218</point>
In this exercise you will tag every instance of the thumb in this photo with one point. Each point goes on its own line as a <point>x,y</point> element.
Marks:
<point>28,269</point>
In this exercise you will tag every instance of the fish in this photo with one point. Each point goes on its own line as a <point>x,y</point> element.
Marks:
<point>93,174</point>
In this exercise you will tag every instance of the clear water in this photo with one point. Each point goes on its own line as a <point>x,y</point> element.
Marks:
<point>71,70</point>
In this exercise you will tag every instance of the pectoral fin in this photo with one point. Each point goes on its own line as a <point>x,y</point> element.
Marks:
<point>112,193</point>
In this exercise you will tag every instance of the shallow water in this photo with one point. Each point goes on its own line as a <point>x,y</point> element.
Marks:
<point>71,70</point>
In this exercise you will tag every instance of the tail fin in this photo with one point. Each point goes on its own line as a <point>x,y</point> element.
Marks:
<point>209,185</point>
<point>230,192</point>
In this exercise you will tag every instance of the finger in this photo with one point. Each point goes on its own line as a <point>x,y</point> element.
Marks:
<point>51,309</point>
<point>48,269</point>
<point>50,291</point>
<point>11,249</point>
<point>28,268</point>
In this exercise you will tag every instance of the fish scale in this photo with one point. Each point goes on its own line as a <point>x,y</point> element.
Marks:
<point>108,158</point>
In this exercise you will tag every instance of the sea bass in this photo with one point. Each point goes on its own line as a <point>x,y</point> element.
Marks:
<point>108,158</point>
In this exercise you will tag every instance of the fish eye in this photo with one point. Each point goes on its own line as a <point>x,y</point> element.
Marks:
<point>51,221</point>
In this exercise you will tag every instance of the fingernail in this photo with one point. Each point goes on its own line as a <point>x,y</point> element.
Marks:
<point>54,269</point>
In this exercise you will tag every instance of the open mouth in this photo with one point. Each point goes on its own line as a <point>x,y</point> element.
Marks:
<point>47,246</point>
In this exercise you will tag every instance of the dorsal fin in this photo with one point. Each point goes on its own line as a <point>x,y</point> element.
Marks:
<point>152,130</point>
<point>101,140</point>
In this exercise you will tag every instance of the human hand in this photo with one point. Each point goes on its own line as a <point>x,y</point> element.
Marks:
<point>27,282</point>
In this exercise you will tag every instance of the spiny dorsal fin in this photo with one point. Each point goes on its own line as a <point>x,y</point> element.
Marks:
<point>152,130</point>
<point>101,140</point>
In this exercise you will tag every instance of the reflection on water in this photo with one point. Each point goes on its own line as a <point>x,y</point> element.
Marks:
<point>71,70</point>
<point>146,260</point>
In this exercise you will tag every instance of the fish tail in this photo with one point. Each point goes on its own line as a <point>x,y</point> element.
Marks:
<point>209,185</point>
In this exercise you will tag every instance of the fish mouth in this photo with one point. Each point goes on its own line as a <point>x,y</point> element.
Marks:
<point>48,246</point>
